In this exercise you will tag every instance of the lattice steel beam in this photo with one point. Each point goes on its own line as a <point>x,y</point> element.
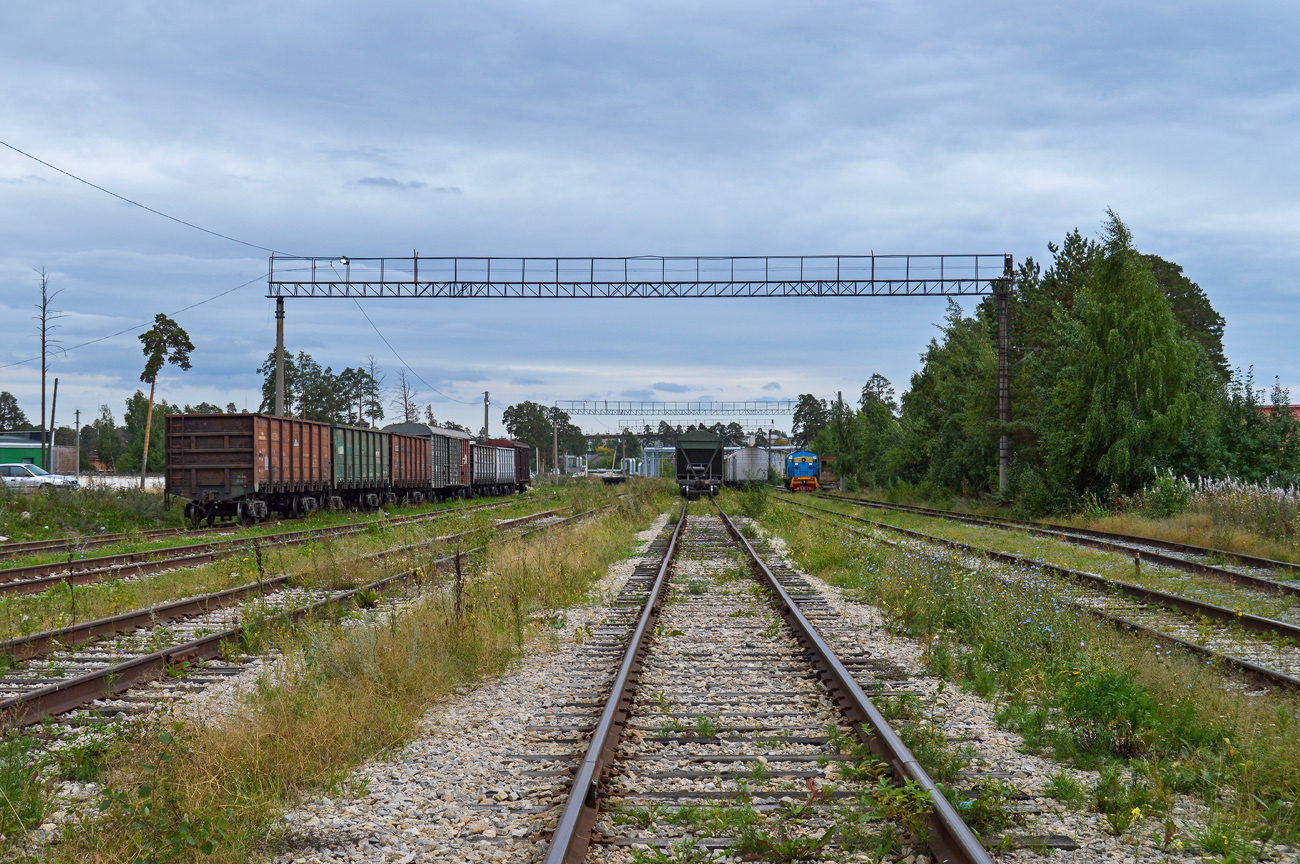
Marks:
<point>646,277</point>
<point>638,408</point>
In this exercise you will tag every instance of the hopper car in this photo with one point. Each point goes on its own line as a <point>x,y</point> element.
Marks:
<point>699,463</point>
<point>249,466</point>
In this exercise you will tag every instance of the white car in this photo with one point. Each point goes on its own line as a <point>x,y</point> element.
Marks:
<point>22,477</point>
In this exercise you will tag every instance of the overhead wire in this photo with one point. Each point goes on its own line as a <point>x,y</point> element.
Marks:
<point>139,326</point>
<point>180,221</point>
<point>138,204</point>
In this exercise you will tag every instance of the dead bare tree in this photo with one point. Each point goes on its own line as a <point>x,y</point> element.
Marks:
<point>404,398</point>
<point>46,318</point>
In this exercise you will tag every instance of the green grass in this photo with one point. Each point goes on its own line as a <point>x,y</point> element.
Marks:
<point>347,695</point>
<point>1074,687</point>
<point>329,562</point>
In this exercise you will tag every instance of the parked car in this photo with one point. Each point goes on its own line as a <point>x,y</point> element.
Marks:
<point>29,478</point>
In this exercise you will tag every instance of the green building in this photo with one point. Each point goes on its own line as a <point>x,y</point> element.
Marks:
<point>21,447</point>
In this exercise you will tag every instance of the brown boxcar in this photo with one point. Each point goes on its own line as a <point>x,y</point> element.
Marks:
<point>411,463</point>
<point>244,465</point>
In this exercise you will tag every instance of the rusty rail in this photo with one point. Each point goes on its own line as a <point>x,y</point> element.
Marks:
<point>1112,542</point>
<point>953,842</point>
<point>573,831</point>
<point>1187,605</point>
<point>35,578</point>
<point>62,696</point>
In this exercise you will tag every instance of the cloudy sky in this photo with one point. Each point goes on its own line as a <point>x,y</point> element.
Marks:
<point>334,128</point>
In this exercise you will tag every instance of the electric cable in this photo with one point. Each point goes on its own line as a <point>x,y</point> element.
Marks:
<point>138,204</point>
<point>257,278</point>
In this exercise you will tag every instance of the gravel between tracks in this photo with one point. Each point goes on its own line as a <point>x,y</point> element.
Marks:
<point>454,794</point>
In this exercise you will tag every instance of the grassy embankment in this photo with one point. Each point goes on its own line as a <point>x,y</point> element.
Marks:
<point>344,694</point>
<point>59,513</point>
<point>1114,565</point>
<point>72,509</point>
<point>62,605</point>
<point>1153,722</point>
<point>1242,518</point>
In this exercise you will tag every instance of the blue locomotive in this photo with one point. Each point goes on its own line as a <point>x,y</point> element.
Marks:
<point>802,471</point>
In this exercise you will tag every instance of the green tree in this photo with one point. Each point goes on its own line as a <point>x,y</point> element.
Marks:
<point>137,418</point>
<point>108,444</point>
<point>810,418</point>
<point>878,392</point>
<point>1123,394</point>
<point>163,343</point>
<point>1192,309</point>
<point>202,408</point>
<point>11,416</point>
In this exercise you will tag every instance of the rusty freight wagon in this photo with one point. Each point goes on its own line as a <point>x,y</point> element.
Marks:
<point>411,466</point>
<point>448,458</point>
<point>245,466</point>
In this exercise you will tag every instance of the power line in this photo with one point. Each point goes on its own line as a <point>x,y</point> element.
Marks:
<point>138,204</point>
<point>407,365</point>
<point>138,326</point>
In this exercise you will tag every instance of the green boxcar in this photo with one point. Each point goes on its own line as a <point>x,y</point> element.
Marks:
<point>361,461</point>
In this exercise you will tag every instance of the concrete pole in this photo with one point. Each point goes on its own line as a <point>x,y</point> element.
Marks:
<point>1004,380</point>
<point>279,356</point>
<point>555,445</point>
<point>77,428</point>
<point>486,403</point>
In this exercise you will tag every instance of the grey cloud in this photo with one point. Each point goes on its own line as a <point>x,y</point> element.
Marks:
<point>771,385</point>
<point>645,395</point>
<point>671,388</point>
<point>390,183</point>
<point>523,382</point>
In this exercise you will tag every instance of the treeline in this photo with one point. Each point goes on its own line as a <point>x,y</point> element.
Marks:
<point>1118,376</point>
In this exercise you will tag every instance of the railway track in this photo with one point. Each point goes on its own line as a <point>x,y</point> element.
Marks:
<point>1261,574</point>
<point>186,645</point>
<point>1262,649</point>
<point>35,578</point>
<point>713,725</point>
<point>78,545</point>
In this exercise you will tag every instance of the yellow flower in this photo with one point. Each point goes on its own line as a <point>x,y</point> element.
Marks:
<point>1137,812</point>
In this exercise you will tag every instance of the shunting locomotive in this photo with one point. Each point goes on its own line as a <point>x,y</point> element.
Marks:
<point>802,471</point>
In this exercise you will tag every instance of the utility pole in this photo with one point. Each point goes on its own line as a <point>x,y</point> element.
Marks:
<point>1003,296</point>
<point>49,454</point>
<point>486,403</point>
<point>555,444</point>
<point>279,356</point>
<point>77,429</point>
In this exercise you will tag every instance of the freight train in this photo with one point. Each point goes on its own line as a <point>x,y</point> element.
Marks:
<point>248,466</point>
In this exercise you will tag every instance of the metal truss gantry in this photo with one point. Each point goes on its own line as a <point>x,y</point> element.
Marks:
<point>656,277</point>
<point>643,276</point>
<point>639,408</point>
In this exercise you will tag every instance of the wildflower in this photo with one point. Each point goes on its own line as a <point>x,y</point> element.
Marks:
<point>1137,812</point>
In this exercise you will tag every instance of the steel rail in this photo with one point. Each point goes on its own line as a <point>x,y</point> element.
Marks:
<point>952,839</point>
<point>20,548</point>
<point>1114,542</point>
<point>1263,674</point>
<point>41,644</point>
<point>68,545</point>
<point>573,831</point>
<point>1175,602</point>
<point>71,693</point>
<point>35,578</point>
